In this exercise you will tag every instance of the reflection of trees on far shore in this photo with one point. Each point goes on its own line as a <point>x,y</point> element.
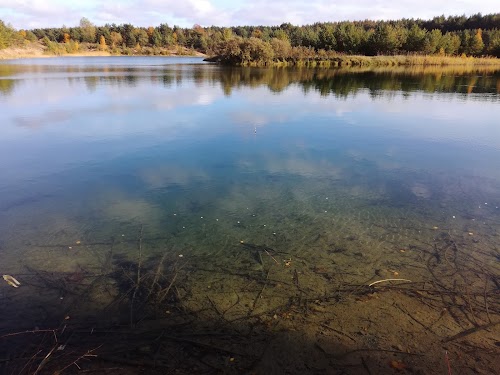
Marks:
<point>338,82</point>
<point>344,82</point>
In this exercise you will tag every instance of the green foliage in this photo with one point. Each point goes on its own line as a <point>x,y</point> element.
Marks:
<point>416,39</point>
<point>88,31</point>
<point>327,38</point>
<point>350,38</point>
<point>492,42</point>
<point>432,42</point>
<point>256,50</point>
<point>141,37</point>
<point>9,36</point>
<point>387,39</point>
<point>477,35</point>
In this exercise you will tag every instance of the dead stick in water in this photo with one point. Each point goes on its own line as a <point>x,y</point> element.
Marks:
<point>162,294</point>
<point>486,300</point>
<point>138,282</point>
<point>470,331</point>
<point>157,275</point>
<point>261,291</point>
<point>267,252</point>
<point>45,360</point>
<point>382,281</point>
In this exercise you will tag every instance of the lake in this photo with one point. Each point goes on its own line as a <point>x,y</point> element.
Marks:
<point>170,214</point>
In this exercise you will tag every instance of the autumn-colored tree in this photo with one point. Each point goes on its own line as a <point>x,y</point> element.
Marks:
<point>66,38</point>
<point>116,39</point>
<point>256,50</point>
<point>477,44</point>
<point>257,33</point>
<point>472,42</point>
<point>102,43</point>
<point>281,48</point>
<point>198,29</point>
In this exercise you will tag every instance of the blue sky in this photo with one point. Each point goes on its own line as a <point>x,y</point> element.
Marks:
<point>55,13</point>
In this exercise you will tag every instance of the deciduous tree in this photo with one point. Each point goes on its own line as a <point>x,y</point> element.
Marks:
<point>88,31</point>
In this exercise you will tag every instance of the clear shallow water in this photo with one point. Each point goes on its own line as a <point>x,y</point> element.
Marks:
<point>308,163</point>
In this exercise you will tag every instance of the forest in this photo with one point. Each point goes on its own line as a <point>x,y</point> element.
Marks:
<point>477,35</point>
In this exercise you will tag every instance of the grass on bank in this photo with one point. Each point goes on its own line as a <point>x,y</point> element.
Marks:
<point>341,61</point>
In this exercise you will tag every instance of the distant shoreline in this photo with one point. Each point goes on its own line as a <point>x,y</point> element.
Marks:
<point>37,50</point>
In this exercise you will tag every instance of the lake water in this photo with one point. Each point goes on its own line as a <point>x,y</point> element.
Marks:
<point>266,197</point>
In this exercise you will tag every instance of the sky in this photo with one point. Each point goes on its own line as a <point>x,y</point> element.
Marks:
<point>28,14</point>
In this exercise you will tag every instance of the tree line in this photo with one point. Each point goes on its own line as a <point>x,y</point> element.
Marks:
<point>476,35</point>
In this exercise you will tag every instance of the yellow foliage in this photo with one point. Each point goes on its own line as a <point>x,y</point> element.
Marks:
<point>257,33</point>
<point>102,43</point>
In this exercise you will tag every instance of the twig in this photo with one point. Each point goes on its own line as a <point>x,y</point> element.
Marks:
<point>470,304</point>
<point>204,345</point>
<point>486,300</point>
<point>28,362</point>
<point>140,257</point>
<point>215,307</point>
<point>382,281</point>
<point>138,282</point>
<point>157,275</point>
<point>378,350</point>
<point>447,361</point>
<point>412,317</point>
<point>470,331</point>
<point>268,253</point>
<point>45,360</point>
<point>365,365</point>
<point>163,293</point>
<point>87,354</point>
<point>34,331</point>
<point>337,331</point>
